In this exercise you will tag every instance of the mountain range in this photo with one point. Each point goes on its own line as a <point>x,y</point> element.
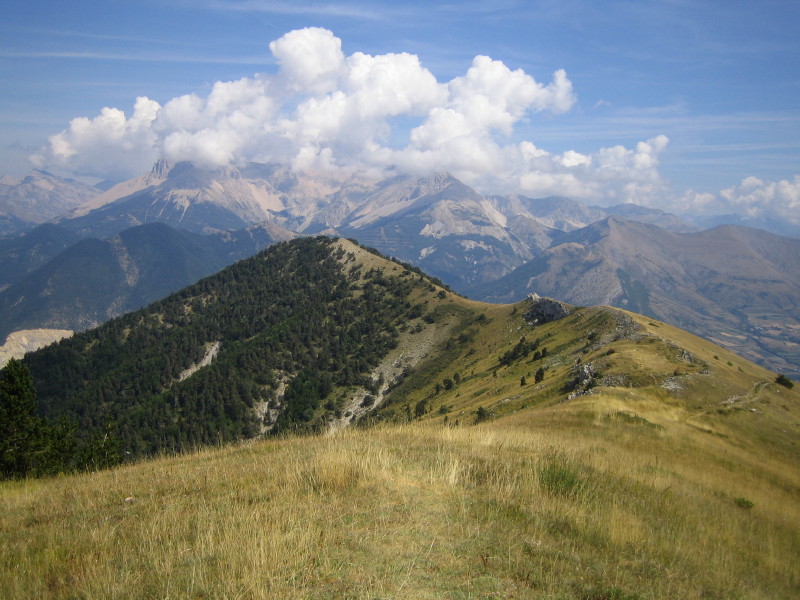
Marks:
<point>737,285</point>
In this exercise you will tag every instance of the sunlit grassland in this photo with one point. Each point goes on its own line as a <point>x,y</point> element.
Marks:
<point>569,502</point>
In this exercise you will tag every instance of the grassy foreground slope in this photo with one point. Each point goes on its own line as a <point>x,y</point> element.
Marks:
<point>571,503</point>
<point>647,463</point>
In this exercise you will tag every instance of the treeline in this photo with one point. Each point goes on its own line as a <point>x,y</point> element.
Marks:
<point>298,314</point>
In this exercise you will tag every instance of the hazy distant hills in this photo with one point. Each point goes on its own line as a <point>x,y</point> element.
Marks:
<point>37,198</point>
<point>95,280</point>
<point>737,286</point>
<point>775,226</point>
<point>24,253</point>
<point>565,214</point>
<point>651,216</point>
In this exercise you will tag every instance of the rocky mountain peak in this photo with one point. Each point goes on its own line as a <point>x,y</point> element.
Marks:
<point>161,168</point>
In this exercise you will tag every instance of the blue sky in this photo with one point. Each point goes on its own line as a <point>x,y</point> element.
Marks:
<point>672,101</point>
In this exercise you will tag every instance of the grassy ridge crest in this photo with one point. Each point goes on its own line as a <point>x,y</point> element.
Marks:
<point>570,503</point>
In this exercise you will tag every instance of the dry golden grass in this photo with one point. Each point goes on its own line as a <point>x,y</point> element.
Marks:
<point>570,502</point>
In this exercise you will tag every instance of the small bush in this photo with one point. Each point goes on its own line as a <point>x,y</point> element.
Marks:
<point>784,381</point>
<point>743,503</point>
<point>481,415</point>
<point>421,408</point>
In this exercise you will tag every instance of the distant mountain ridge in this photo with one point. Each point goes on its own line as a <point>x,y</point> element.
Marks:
<point>38,198</point>
<point>94,280</point>
<point>24,253</point>
<point>434,221</point>
<point>736,286</point>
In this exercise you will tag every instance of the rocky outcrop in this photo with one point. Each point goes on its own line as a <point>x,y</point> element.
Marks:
<point>544,310</point>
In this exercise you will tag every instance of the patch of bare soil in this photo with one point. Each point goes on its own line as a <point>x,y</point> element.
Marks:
<point>21,342</point>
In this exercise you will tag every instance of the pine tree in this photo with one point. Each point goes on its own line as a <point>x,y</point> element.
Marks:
<point>20,427</point>
<point>102,450</point>
<point>481,415</point>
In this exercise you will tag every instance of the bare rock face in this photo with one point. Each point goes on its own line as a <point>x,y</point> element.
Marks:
<point>544,310</point>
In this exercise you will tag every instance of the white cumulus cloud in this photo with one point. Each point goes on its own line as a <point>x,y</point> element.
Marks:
<point>382,113</point>
<point>110,144</point>
<point>765,199</point>
<point>310,59</point>
<point>321,109</point>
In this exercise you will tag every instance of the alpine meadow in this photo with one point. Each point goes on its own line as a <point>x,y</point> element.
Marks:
<point>533,450</point>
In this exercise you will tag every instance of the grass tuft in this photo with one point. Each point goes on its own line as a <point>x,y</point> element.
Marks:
<point>560,480</point>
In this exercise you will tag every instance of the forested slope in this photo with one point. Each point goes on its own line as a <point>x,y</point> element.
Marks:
<point>292,325</point>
